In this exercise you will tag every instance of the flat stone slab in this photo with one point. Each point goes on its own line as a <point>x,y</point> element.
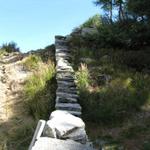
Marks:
<point>68,106</point>
<point>65,94</point>
<point>65,100</point>
<point>45,143</point>
<point>67,90</point>
<point>70,83</point>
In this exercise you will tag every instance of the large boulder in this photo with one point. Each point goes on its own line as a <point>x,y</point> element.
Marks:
<point>63,125</point>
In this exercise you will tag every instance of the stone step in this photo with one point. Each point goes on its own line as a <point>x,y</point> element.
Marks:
<point>60,41</point>
<point>61,47</point>
<point>65,79</point>
<point>65,100</point>
<point>62,50</point>
<point>68,107</point>
<point>65,76</point>
<point>62,77</point>
<point>62,54</point>
<point>63,94</point>
<point>65,82</point>
<point>67,90</point>
<point>64,66</point>
<point>65,69</point>
<point>68,58</point>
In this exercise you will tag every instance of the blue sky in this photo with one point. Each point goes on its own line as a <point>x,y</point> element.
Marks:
<point>32,24</point>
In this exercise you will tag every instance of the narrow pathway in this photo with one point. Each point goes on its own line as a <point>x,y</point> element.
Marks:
<point>12,77</point>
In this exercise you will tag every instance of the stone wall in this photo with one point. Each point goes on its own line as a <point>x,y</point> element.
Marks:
<point>64,130</point>
<point>66,94</point>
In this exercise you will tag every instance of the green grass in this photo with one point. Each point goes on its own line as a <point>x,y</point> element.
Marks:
<point>32,62</point>
<point>83,77</point>
<point>113,105</point>
<point>38,102</point>
<point>39,91</point>
<point>2,52</point>
<point>21,135</point>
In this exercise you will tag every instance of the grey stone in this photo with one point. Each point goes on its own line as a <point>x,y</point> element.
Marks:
<point>65,94</point>
<point>66,83</point>
<point>68,106</point>
<point>65,100</point>
<point>67,90</point>
<point>66,126</point>
<point>45,143</point>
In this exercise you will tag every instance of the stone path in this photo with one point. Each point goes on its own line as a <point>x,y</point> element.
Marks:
<point>66,94</point>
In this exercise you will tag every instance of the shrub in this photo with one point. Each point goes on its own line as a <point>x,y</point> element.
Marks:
<point>10,47</point>
<point>94,21</point>
<point>21,135</point>
<point>117,101</point>
<point>32,62</point>
<point>83,76</point>
<point>2,52</point>
<point>39,91</point>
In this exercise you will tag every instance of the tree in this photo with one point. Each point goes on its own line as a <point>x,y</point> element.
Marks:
<point>139,8</point>
<point>107,5</point>
<point>121,7</point>
<point>10,47</point>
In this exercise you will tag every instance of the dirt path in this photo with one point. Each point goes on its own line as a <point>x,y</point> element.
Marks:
<point>12,77</point>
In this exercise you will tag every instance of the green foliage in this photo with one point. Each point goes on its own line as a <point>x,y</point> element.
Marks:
<point>32,62</point>
<point>132,131</point>
<point>10,47</point>
<point>118,100</point>
<point>131,29</point>
<point>146,146</point>
<point>2,52</point>
<point>94,21</point>
<point>140,8</point>
<point>83,76</point>
<point>21,136</point>
<point>40,91</point>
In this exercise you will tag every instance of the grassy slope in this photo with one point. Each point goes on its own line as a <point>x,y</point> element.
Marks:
<point>116,111</point>
<point>37,99</point>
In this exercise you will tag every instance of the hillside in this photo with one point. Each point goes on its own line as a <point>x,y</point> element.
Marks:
<point>17,73</point>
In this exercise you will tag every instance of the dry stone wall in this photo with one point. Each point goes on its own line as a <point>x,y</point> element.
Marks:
<point>64,130</point>
<point>66,94</point>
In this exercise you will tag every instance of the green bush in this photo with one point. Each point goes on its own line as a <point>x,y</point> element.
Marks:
<point>115,102</point>
<point>39,91</point>
<point>2,52</point>
<point>32,62</point>
<point>94,21</point>
<point>10,47</point>
<point>83,76</point>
